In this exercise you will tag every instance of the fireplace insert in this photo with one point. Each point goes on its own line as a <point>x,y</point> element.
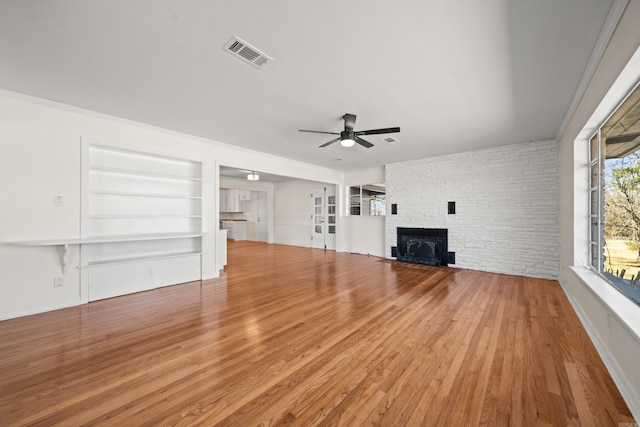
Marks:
<point>422,245</point>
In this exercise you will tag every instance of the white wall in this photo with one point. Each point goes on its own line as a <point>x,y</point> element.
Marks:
<point>292,217</point>
<point>611,320</point>
<point>363,234</point>
<point>506,198</point>
<point>40,146</point>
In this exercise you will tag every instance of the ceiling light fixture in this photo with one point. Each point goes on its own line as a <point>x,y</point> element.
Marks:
<point>253,176</point>
<point>347,138</point>
<point>348,142</point>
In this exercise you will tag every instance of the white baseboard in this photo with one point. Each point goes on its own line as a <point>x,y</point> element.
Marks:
<point>29,309</point>
<point>628,392</point>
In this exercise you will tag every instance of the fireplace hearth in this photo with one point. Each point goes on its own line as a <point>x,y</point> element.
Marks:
<point>422,245</point>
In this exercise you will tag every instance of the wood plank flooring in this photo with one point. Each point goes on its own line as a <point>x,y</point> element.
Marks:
<point>296,336</point>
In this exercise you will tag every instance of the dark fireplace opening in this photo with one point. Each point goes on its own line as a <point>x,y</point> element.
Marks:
<point>423,245</point>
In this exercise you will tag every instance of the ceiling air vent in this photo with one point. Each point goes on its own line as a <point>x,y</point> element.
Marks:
<point>249,54</point>
<point>390,139</point>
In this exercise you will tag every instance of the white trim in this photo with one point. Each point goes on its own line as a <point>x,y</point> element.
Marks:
<point>37,308</point>
<point>628,315</point>
<point>611,22</point>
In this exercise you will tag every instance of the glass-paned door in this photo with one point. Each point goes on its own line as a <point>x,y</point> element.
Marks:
<point>323,217</point>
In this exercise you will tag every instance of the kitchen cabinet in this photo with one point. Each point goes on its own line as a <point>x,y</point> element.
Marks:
<point>231,200</point>
<point>236,230</point>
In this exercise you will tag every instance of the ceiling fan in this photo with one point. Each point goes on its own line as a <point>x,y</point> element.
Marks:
<point>348,137</point>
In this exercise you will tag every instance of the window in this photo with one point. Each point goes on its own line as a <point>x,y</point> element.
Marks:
<point>614,197</point>
<point>331,214</point>
<point>367,199</point>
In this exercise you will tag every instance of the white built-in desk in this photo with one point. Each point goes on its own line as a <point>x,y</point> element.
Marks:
<point>65,242</point>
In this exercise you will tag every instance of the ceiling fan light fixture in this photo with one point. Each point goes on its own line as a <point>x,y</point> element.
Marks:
<point>253,176</point>
<point>348,137</point>
<point>347,142</point>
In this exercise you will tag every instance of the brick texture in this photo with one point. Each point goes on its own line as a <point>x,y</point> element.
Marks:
<point>507,206</point>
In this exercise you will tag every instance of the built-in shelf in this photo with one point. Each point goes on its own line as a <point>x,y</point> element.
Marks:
<point>44,242</point>
<point>65,242</point>
<point>136,259</point>
<point>148,195</point>
<point>142,173</point>
<point>144,212</point>
<point>102,239</point>
<point>115,216</point>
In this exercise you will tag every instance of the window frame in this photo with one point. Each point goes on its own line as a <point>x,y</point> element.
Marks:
<point>356,200</point>
<point>597,190</point>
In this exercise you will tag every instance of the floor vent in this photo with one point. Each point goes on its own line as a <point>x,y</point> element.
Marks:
<point>247,53</point>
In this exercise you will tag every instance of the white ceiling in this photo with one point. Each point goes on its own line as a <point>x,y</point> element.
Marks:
<point>454,75</point>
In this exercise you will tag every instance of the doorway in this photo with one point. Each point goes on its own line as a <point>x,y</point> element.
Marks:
<point>256,214</point>
<point>323,217</point>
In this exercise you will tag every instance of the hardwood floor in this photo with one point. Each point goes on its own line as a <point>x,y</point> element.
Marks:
<point>306,337</point>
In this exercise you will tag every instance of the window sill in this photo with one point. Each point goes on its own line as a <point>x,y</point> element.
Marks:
<point>621,307</point>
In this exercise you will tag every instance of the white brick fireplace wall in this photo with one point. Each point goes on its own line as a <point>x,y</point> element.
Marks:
<point>507,207</point>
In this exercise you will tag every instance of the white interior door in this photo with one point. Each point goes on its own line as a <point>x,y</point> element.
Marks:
<point>263,219</point>
<point>323,217</point>
<point>317,218</point>
<point>251,214</point>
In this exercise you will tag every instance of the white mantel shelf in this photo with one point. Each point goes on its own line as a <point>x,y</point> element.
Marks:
<point>65,242</point>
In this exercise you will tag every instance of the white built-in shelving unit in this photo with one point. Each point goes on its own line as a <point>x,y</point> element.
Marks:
<point>141,220</point>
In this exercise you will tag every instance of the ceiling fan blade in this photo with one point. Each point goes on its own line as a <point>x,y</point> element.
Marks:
<point>378,131</point>
<point>319,131</point>
<point>363,142</point>
<point>349,121</point>
<point>329,143</point>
